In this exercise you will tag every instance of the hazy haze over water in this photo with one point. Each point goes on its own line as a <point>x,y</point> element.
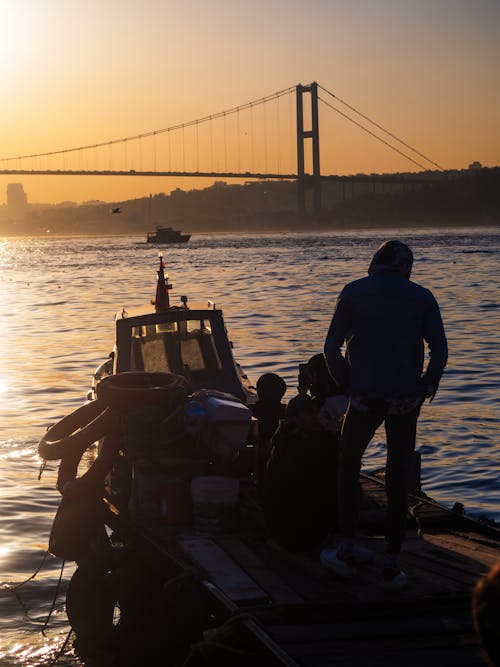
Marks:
<point>58,298</point>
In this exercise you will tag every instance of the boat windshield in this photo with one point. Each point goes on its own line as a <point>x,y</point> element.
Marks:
<point>177,347</point>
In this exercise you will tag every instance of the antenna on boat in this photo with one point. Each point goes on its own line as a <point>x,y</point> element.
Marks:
<point>162,301</point>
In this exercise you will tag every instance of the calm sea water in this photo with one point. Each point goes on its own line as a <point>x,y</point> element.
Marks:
<point>58,298</point>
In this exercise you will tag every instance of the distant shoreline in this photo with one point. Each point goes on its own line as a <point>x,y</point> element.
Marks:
<point>462,199</point>
<point>465,198</point>
<point>313,229</point>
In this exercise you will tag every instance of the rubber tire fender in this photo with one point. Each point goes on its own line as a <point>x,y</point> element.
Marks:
<point>133,390</point>
<point>74,433</point>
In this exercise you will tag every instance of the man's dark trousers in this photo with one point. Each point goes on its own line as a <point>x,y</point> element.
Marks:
<point>358,429</point>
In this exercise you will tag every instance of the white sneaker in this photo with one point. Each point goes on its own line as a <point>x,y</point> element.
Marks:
<point>393,579</point>
<point>361,555</point>
<point>342,566</point>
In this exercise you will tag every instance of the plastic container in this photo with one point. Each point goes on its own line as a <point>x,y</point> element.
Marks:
<point>196,415</point>
<point>214,503</point>
<point>222,409</point>
<point>231,418</point>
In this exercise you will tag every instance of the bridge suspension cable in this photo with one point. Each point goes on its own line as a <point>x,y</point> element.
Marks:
<point>259,136</point>
<point>380,127</point>
<point>154,133</point>
<point>371,133</point>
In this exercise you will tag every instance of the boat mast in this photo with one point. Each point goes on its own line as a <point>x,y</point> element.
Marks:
<point>162,300</point>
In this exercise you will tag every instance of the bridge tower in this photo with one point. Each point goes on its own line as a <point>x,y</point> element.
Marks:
<point>305,180</point>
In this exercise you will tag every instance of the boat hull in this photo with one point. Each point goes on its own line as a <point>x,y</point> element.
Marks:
<point>184,238</point>
<point>167,235</point>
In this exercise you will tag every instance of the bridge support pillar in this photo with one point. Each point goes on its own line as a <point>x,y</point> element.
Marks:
<point>306,180</point>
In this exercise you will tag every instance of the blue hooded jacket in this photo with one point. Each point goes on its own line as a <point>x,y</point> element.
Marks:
<point>384,320</point>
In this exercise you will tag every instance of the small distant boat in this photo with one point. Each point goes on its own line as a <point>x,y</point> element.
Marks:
<point>167,235</point>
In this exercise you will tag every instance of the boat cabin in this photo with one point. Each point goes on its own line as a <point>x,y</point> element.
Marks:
<point>192,343</point>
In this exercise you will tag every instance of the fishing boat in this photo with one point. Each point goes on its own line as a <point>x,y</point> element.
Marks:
<point>174,561</point>
<point>167,235</point>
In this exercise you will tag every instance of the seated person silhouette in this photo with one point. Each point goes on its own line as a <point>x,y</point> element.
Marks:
<point>315,379</point>
<point>299,489</point>
<point>268,410</point>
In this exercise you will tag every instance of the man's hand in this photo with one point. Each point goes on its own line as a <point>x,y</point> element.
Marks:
<point>429,392</point>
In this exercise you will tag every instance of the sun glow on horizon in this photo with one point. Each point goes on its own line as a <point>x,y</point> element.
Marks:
<point>78,74</point>
<point>21,28</point>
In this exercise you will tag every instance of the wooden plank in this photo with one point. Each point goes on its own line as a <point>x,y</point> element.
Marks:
<point>355,645</point>
<point>276,652</point>
<point>392,628</point>
<point>448,559</point>
<point>345,644</point>
<point>223,571</point>
<point>276,588</point>
<point>454,570</point>
<point>424,561</point>
<point>459,547</point>
<point>360,654</point>
<point>428,578</point>
<point>312,582</point>
<point>271,646</point>
<point>305,576</point>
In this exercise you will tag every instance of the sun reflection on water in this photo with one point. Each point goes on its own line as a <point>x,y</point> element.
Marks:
<point>4,551</point>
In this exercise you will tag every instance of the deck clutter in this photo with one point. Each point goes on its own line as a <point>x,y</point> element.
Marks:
<point>175,561</point>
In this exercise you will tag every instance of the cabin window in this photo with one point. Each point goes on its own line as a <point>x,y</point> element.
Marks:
<point>150,355</point>
<point>191,354</point>
<point>166,327</point>
<point>139,332</point>
<point>152,329</point>
<point>198,349</point>
<point>197,326</point>
<point>174,347</point>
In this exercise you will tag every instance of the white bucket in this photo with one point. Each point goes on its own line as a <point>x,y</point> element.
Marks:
<point>214,501</point>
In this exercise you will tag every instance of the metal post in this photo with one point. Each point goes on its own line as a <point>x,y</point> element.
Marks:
<point>301,195</point>
<point>315,148</point>
<point>312,134</point>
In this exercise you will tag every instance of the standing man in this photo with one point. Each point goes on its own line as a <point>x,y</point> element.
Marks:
<point>383,320</point>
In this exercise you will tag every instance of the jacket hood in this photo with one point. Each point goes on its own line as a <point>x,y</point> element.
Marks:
<point>393,256</point>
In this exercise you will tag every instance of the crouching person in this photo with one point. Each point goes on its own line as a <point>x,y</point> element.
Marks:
<point>299,486</point>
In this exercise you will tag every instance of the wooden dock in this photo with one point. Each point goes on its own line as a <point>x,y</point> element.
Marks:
<point>262,605</point>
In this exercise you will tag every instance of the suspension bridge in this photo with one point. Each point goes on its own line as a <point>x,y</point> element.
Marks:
<point>276,137</point>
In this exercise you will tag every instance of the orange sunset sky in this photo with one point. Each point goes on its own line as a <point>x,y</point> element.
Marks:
<point>75,73</point>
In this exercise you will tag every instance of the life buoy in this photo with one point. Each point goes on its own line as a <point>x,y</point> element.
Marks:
<point>76,432</point>
<point>132,390</point>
